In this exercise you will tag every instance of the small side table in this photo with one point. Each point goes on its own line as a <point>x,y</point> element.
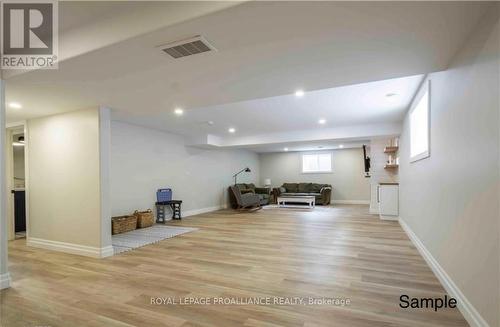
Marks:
<point>175,205</point>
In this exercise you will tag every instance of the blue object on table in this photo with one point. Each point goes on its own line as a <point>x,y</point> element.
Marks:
<point>164,194</point>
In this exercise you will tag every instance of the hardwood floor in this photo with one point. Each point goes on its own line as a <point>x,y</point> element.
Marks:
<point>340,252</point>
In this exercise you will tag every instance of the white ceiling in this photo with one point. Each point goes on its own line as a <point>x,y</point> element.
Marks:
<point>266,50</point>
<point>365,103</point>
<point>307,146</point>
<point>76,14</point>
<point>85,26</point>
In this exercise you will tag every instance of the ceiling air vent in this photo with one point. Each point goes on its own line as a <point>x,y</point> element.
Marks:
<point>187,47</point>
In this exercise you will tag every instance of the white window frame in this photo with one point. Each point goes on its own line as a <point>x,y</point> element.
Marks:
<point>315,172</point>
<point>426,88</point>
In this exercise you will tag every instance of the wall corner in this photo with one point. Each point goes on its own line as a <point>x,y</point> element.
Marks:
<point>104,179</point>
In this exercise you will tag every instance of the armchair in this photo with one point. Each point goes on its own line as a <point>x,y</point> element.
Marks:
<point>264,193</point>
<point>241,200</point>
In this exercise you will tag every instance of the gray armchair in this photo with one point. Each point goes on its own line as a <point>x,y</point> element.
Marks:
<point>264,193</point>
<point>241,200</point>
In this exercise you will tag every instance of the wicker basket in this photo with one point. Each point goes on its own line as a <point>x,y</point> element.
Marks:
<point>144,218</point>
<point>122,224</point>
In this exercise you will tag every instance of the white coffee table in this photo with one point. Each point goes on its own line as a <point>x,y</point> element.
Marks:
<point>310,200</point>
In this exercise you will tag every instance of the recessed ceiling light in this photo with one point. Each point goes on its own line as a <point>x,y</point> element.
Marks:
<point>15,105</point>
<point>285,149</point>
<point>299,93</point>
<point>210,122</point>
<point>178,111</point>
<point>390,95</point>
<point>231,130</point>
<point>341,146</point>
<point>322,121</point>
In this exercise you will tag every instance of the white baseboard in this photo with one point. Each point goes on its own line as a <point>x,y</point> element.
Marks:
<point>466,308</point>
<point>391,218</point>
<point>351,201</point>
<point>88,251</point>
<point>202,210</point>
<point>107,251</point>
<point>4,281</point>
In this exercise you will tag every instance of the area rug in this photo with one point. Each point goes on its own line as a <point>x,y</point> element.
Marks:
<point>144,236</point>
<point>289,206</point>
<point>299,207</point>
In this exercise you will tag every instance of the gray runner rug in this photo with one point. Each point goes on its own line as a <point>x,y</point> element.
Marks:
<point>144,236</point>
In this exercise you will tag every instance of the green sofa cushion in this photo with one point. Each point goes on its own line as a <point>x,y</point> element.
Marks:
<point>291,187</point>
<point>304,187</point>
<point>310,188</point>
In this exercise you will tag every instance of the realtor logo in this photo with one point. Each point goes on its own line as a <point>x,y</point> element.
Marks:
<point>29,38</point>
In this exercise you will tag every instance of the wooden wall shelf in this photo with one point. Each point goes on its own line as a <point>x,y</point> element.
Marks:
<point>391,149</point>
<point>391,166</point>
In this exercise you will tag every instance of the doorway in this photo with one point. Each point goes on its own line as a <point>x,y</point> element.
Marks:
<point>16,182</point>
<point>19,191</point>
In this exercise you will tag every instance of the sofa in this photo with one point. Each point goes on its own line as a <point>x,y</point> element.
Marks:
<point>322,192</point>
<point>263,193</point>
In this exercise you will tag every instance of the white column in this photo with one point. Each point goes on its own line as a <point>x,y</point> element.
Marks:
<point>104,167</point>
<point>4,271</point>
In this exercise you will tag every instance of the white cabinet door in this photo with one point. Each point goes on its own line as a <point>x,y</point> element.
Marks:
<point>388,196</point>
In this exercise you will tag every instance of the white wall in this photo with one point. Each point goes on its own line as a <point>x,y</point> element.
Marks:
<point>63,182</point>
<point>450,200</point>
<point>4,270</point>
<point>347,179</point>
<point>144,160</point>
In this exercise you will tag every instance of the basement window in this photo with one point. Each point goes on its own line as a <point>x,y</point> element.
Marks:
<point>317,163</point>
<point>420,125</point>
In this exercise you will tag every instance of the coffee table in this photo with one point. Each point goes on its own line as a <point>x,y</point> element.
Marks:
<point>310,200</point>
